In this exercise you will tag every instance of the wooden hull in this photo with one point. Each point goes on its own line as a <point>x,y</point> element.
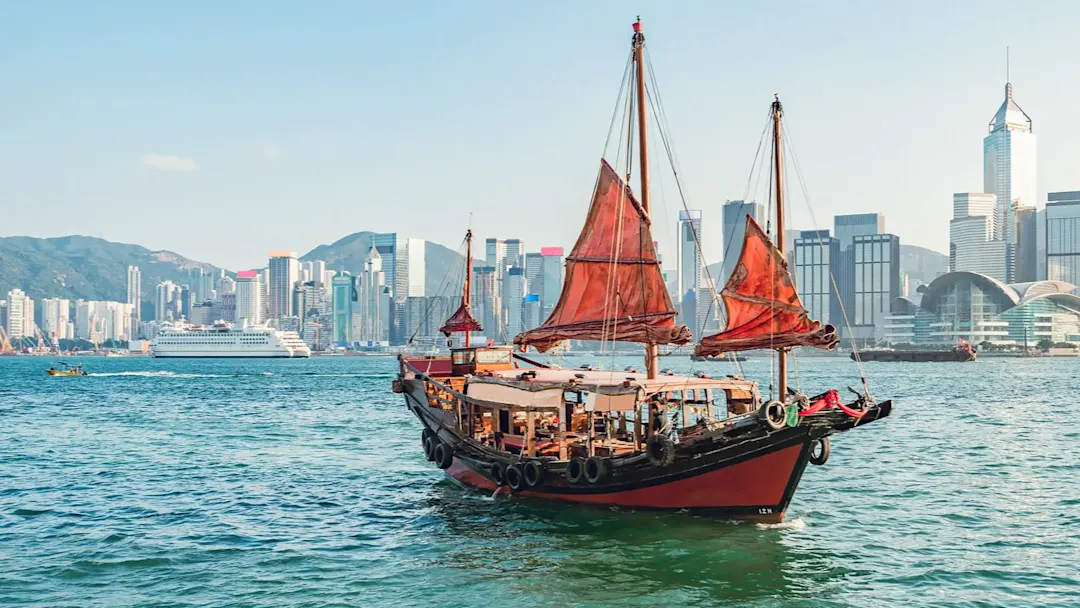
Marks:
<point>750,474</point>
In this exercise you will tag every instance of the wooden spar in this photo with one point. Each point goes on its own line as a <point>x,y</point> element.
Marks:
<point>652,352</point>
<point>778,159</point>
<point>468,277</point>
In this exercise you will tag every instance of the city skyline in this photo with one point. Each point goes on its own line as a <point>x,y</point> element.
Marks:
<point>232,156</point>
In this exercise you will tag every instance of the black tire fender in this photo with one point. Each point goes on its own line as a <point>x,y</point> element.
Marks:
<point>773,414</point>
<point>444,455</point>
<point>596,469</point>
<point>515,477</point>
<point>660,450</point>
<point>821,457</point>
<point>429,446</point>
<point>534,473</point>
<point>575,470</point>
<point>498,473</point>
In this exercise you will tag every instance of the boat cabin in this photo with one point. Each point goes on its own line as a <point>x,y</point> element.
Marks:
<point>561,413</point>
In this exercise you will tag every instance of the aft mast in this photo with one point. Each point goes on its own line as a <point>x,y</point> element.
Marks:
<point>467,291</point>
<point>778,158</point>
<point>652,352</point>
<point>462,319</point>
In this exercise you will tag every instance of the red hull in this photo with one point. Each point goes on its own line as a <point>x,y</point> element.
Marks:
<point>759,485</point>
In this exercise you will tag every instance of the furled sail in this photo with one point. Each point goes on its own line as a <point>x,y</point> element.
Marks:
<point>613,289</point>
<point>461,320</point>
<point>763,306</point>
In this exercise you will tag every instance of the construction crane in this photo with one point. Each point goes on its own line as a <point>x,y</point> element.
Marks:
<point>5,343</point>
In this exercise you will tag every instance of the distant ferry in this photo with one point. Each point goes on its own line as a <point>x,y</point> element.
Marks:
<point>224,340</point>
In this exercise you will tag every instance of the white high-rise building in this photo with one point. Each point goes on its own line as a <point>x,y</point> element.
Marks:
<point>972,243</point>
<point>166,303</point>
<point>249,294</point>
<point>1009,171</point>
<point>134,297</point>
<point>20,315</point>
<point>374,303</point>
<point>284,275</point>
<point>55,318</point>
<point>1063,237</point>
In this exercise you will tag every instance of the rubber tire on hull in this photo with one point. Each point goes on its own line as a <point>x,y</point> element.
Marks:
<point>429,447</point>
<point>444,455</point>
<point>534,473</point>
<point>596,469</point>
<point>774,415</point>
<point>498,473</point>
<point>575,470</point>
<point>823,457</point>
<point>515,477</point>
<point>660,451</point>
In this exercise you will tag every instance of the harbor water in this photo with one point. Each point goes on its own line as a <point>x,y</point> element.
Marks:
<point>302,483</point>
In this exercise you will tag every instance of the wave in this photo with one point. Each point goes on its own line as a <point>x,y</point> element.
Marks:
<point>793,524</point>
<point>161,374</point>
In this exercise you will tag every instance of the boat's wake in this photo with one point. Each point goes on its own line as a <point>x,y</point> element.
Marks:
<point>792,524</point>
<point>161,374</point>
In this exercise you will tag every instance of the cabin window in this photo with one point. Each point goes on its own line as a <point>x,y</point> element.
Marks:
<point>462,357</point>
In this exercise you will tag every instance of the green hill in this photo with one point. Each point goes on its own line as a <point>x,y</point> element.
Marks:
<point>83,267</point>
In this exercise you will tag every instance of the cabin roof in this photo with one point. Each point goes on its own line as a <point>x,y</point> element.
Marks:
<point>612,381</point>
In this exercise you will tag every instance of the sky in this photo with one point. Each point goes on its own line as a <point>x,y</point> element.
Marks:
<point>225,130</point>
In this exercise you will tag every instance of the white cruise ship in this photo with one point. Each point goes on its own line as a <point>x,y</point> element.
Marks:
<point>223,340</point>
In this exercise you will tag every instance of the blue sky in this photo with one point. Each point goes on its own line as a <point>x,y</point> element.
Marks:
<point>222,131</point>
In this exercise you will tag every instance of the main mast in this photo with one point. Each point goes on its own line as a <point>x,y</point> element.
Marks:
<point>652,357</point>
<point>777,111</point>
<point>465,296</point>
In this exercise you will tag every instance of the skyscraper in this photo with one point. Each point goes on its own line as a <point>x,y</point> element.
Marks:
<point>134,297</point>
<point>515,253</point>
<point>20,315</point>
<point>534,273</point>
<point>1009,171</point>
<point>249,305</point>
<point>375,305</point>
<point>496,256</point>
<point>417,256</point>
<point>166,301</point>
<point>513,300</point>
<point>735,213</point>
<point>343,294</point>
<point>284,274</point>
<point>972,246</point>
<point>877,283</point>
<point>1027,236</point>
<point>688,274</point>
<point>55,318</point>
<point>552,271</point>
<point>1063,237</point>
<point>393,250</point>
<point>845,229</point>
<point>487,300</point>
<point>817,262</point>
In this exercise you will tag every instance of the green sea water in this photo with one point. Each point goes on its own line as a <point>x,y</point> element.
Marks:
<point>302,483</point>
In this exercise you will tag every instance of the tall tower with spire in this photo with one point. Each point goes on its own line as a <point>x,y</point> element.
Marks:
<point>1009,170</point>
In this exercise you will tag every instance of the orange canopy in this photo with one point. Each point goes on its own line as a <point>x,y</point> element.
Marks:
<point>613,289</point>
<point>763,308</point>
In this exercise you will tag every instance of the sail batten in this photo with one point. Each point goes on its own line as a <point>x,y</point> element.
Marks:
<point>763,306</point>
<point>614,290</point>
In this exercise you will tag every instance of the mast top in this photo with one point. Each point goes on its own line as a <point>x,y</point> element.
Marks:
<point>637,25</point>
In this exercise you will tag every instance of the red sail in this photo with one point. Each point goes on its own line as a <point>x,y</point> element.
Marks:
<point>614,289</point>
<point>763,307</point>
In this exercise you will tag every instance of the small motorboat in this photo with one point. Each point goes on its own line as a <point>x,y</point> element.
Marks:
<point>67,370</point>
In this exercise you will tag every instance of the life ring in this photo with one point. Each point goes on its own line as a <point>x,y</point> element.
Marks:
<point>774,414</point>
<point>534,473</point>
<point>515,477</point>
<point>444,455</point>
<point>821,457</point>
<point>498,473</point>
<point>660,450</point>
<point>596,469</point>
<point>429,446</point>
<point>575,470</point>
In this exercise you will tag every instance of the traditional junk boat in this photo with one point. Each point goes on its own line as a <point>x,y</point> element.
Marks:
<point>498,420</point>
